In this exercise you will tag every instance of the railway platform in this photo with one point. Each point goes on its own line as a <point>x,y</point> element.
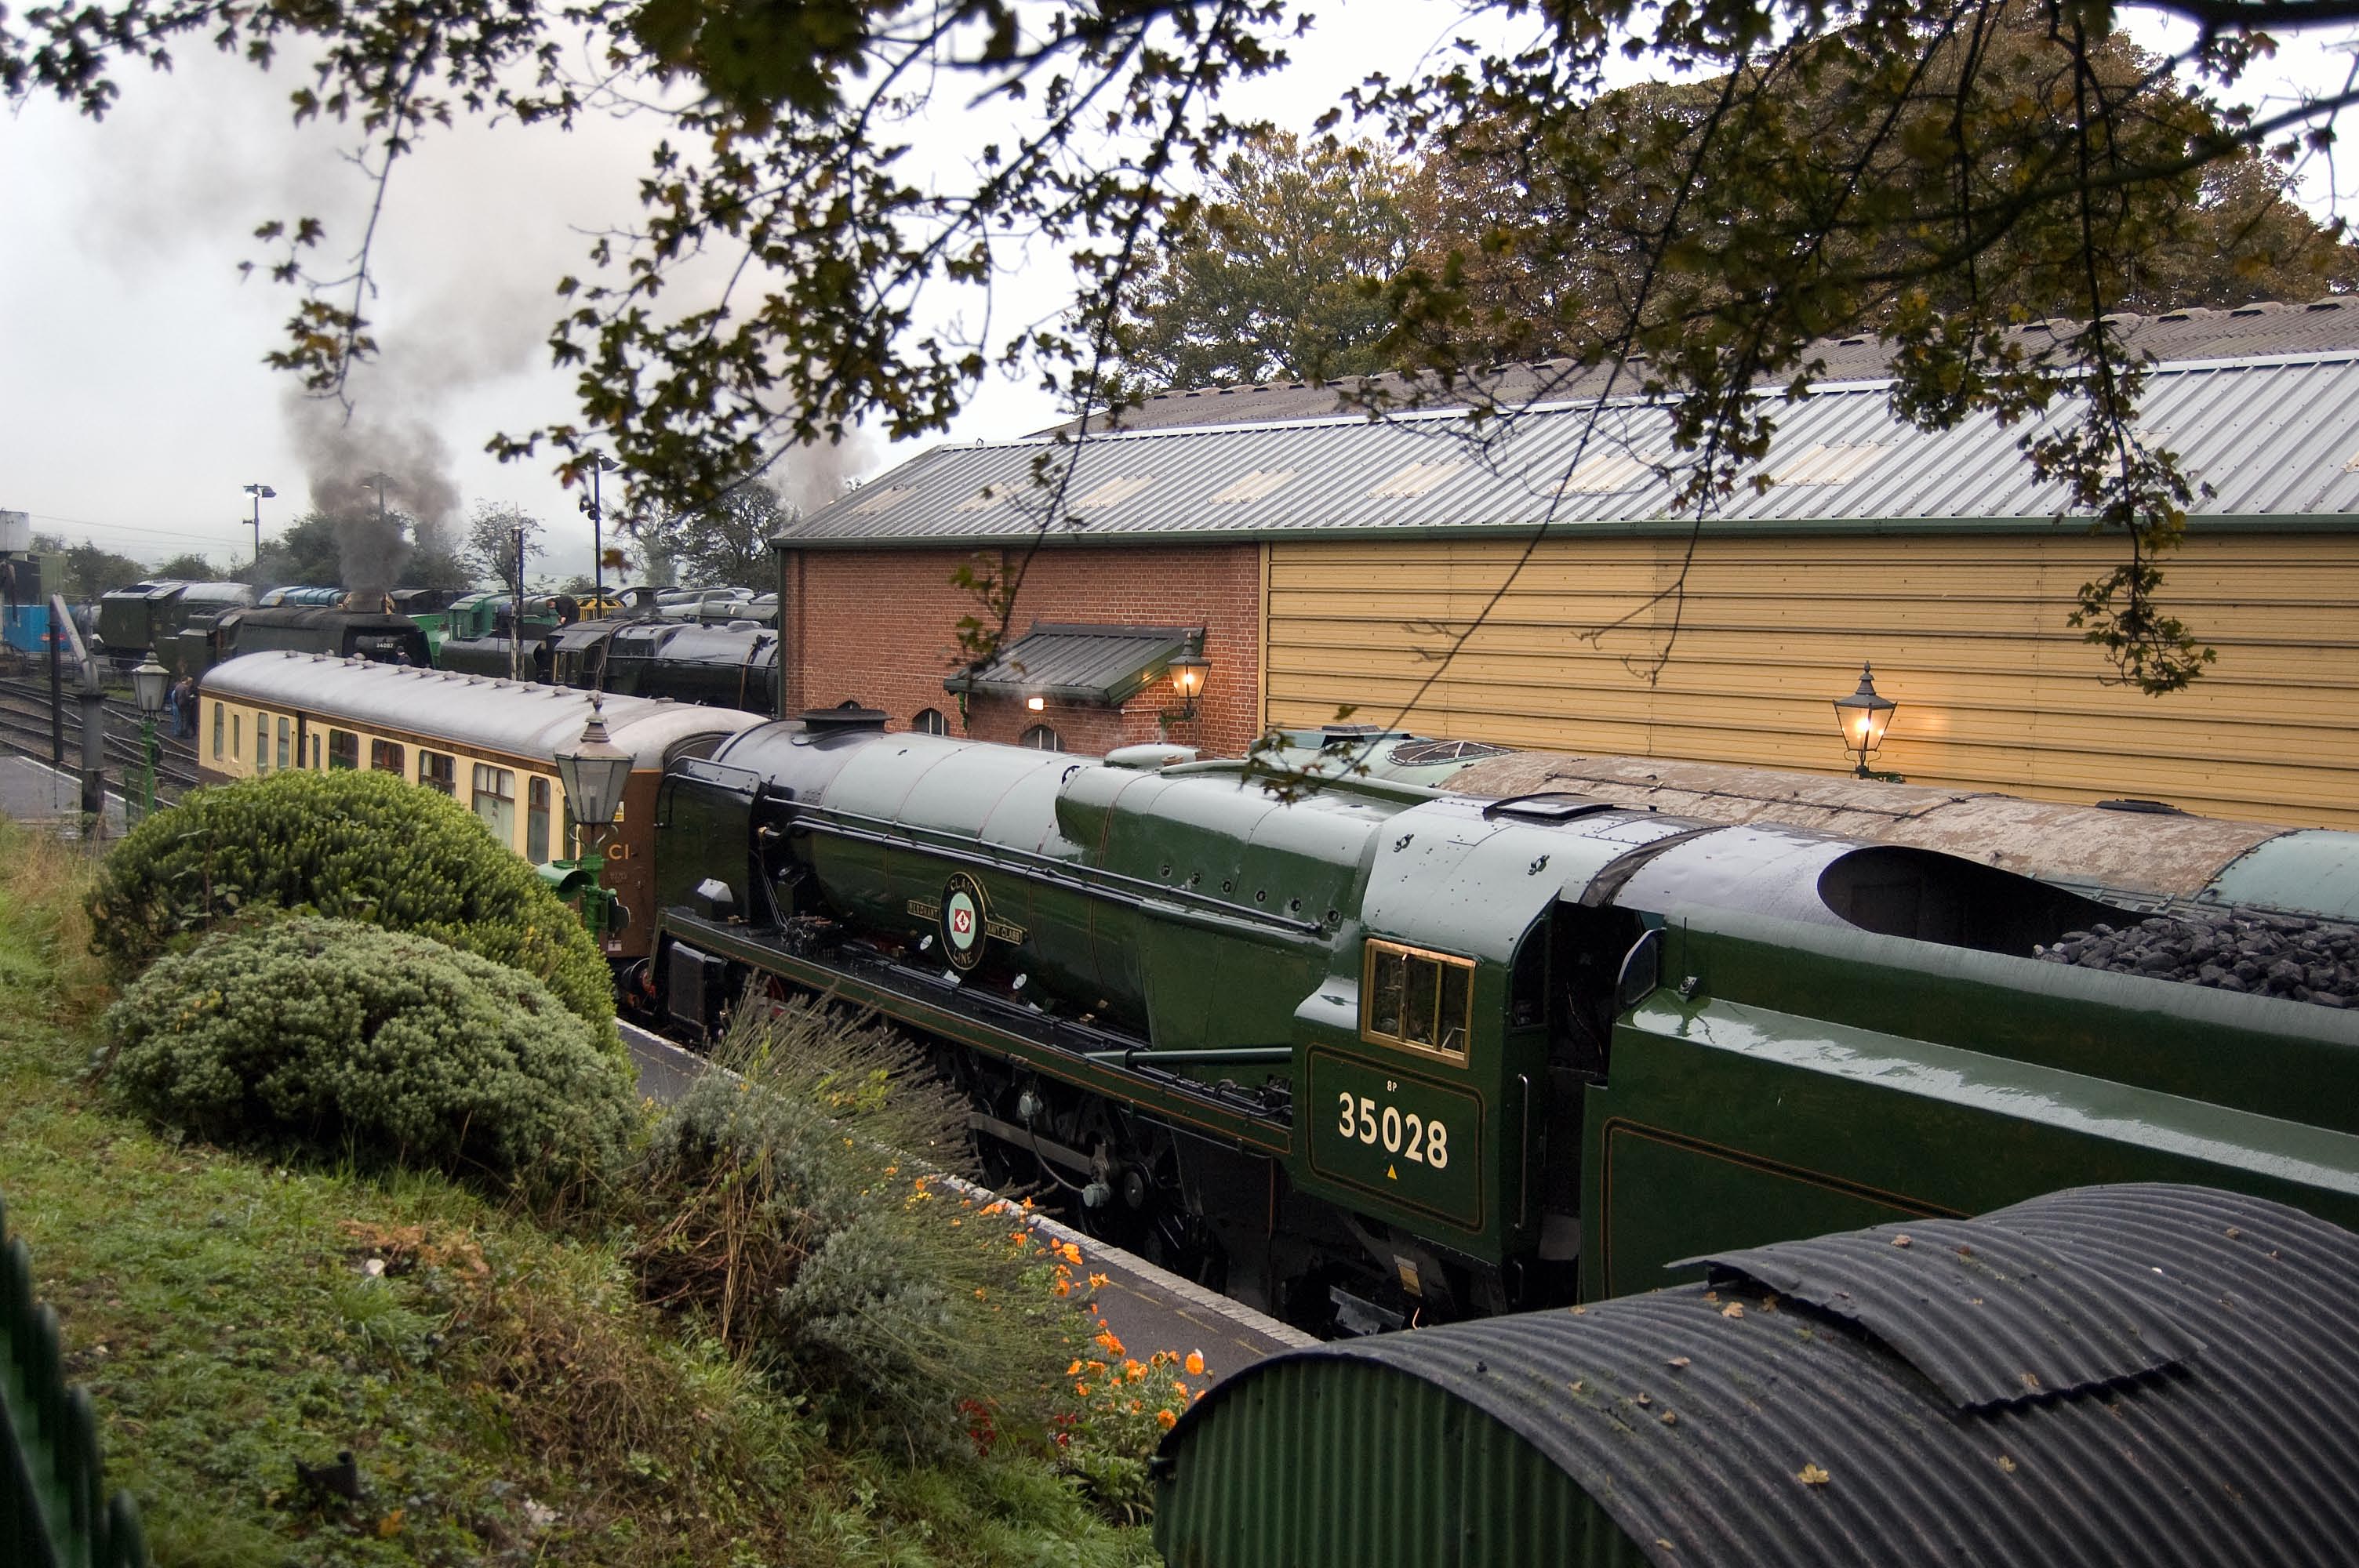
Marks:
<point>1148,1308</point>
<point>34,793</point>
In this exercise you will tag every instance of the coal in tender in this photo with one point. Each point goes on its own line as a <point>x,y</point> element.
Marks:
<point>2249,951</point>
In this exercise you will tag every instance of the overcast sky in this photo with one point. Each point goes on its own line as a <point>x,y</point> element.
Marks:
<point>134,401</point>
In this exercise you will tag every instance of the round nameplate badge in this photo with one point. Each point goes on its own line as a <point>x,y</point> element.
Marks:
<point>966,919</point>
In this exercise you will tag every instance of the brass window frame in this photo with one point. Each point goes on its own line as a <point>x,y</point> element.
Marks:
<point>1376,946</point>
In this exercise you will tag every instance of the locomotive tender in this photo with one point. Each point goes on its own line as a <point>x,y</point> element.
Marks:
<point>1386,1055</point>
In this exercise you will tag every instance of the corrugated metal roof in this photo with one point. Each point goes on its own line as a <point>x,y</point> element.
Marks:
<point>2266,328</point>
<point>1102,665</point>
<point>525,721</point>
<point>2270,438</point>
<point>1732,1427</point>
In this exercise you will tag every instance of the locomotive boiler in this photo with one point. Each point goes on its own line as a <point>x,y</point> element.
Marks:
<point>1380,1054</point>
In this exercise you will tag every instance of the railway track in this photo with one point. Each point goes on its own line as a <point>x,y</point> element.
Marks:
<point>25,727</point>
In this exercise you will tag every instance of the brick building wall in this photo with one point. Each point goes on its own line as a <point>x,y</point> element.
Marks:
<point>880,627</point>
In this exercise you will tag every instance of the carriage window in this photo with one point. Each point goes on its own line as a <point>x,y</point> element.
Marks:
<point>535,821</point>
<point>385,757</point>
<point>343,749</point>
<point>315,754</point>
<point>237,735</point>
<point>262,742</point>
<point>930,722</point>
<point>1419,999</point>
<point>286,739</point>
<point>436,771</point>
<point>1040,738</point>
<point>220,722</point>
<point>495,801</point>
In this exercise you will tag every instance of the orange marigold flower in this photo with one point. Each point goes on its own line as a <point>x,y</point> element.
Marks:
<point>1135,1407</point>
<point>1134,1371</point>
<point>1083,1389</point>
<point>1069,1252</point>
<point>1074,1371</point>
<point>1060,1288</point>
<point>1195,1363</point>
<point>1097,1366</point>
<point>1097,1281</point>
<point>1166,1420</point>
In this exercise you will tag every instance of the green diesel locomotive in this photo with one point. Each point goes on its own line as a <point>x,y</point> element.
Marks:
<point>1383,1054</point>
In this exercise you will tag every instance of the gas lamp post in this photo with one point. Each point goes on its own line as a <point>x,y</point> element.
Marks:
<point>151,683</point>
<point>1864,716</point>
<point>593,773</point>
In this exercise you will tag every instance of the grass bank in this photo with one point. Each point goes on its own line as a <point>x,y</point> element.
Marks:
<point>502,1391</point>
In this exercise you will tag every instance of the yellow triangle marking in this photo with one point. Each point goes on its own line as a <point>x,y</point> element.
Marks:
<point>1391,1175</point>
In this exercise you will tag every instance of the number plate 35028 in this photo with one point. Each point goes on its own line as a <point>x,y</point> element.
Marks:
<point>1403,1138</point>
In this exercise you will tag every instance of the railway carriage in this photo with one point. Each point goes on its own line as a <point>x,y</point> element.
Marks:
<point>489,744</point>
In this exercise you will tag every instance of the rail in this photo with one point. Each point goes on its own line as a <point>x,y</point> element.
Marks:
<point>26,728</point>
<point>51,1515</point>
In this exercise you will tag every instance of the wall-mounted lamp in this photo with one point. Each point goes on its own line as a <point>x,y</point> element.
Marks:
<point>1036,703</point>
<point>1187,673</point>
<point>1864,716</point>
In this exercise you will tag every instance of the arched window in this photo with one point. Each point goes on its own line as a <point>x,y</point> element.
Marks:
<point>930,722</point>
<point>1040,738</point>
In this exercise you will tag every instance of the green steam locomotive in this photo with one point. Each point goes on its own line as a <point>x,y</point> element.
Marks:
<point>1383,1054</point>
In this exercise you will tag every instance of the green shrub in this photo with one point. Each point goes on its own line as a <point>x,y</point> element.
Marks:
<point>349,846</point>
<point>778,1213</point>
<point>390,1047</point>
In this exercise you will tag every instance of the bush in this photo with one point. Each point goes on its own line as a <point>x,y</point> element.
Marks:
<point>391,1047</point>
<point>349,846</point>
<point>778,1213</point>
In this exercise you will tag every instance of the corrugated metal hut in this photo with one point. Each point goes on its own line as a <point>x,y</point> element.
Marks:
<point>1330,559</point>
<point>2135,1375</point>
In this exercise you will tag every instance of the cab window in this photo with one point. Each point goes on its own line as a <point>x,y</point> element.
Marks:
<point>1418,999</point>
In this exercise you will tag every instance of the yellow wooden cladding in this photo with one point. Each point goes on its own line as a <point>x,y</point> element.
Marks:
<point>1967,633</point>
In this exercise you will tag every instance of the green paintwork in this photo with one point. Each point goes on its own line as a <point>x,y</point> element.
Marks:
<point>1356,1463</point>
<point>1401,1136</point>
<point>1734,1119</point>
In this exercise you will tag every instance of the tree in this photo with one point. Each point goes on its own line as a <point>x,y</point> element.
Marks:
<point>494,533</point>
<point>435,560</point>
<point>89,571</point>
<point>188,566</point>
<point>304,554</point>
<point>1895,164</point>
<point>1281,275</point>
<point>725,544</point>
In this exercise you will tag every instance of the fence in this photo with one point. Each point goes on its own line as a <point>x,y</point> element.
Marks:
<point>50,1483</point>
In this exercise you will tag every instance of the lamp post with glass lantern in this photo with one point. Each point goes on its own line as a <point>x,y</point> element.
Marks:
<point>151,683</point>
<point>1864,716</point>
<point>593,773</point>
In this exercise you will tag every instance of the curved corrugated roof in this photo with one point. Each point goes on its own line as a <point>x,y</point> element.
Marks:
<point>2196,1398</point>
<point>497,715</point>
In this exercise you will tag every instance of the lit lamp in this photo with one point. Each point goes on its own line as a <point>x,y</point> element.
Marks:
<point>1187,673</point>
<point>1864,716</point>
<point>151,683</point>
<point>594,775</point>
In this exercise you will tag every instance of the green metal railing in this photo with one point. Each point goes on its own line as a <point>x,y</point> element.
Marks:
<point>50,1483</point>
